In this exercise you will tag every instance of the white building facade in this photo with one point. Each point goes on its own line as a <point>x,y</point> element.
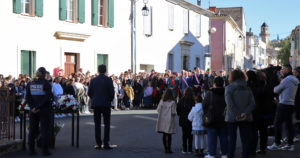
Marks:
<point>75,34</point>
<point>260,54</point>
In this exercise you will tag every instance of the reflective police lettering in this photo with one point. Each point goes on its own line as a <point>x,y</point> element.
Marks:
<point>37,89</point>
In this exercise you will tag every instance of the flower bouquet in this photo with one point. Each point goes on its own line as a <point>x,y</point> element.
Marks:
<point>67,102</point>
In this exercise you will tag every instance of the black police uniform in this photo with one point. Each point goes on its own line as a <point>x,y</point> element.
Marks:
<point>39,97</point>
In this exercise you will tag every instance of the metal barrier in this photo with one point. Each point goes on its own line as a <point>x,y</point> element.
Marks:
<point>7,114</point>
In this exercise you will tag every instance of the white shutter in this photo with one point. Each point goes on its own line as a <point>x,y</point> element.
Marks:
<point>171,17</point>
<point>185,21</point>
<point>198,25</point>
<point>148,23</point>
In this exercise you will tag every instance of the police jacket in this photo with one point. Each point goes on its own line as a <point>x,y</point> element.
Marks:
<point>38,94</point>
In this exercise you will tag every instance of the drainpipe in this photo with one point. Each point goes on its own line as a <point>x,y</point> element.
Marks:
<point>133,36</point>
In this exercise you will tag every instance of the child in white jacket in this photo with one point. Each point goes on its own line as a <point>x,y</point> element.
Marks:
<point>198,130</point>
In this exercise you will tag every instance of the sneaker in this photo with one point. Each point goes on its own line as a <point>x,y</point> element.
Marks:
<point>224,156</point>
<point>208,156</point>
<point>183,152</point>
<point>274,147</point>
<point>288,147</point>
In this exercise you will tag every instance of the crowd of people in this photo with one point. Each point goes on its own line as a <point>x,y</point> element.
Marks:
<point>218,105</point>
<point>207,103</point>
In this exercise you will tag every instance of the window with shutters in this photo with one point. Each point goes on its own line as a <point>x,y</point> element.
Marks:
<point>103,13</point>
<point>28,62</point>
<point>28,7</point>
<point>72,11</point>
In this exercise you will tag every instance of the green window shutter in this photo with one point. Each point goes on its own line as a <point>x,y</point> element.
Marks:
<point>62,10</point>
<point>105,61</point>
<point>25,62</point>
<point>32,63</point>
<point>100,59</point>
<point>111,13</point>
<point>17,6</point>
<point>81,11</point>
<point>39,7</point>
<point>94,12</point>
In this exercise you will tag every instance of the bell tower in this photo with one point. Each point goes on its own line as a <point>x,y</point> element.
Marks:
<point>264,34</point>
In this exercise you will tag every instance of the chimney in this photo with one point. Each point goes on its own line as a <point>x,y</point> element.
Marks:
<point>213,9</point>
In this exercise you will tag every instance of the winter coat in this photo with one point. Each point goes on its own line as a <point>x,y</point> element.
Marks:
<point>166,114</point>
<point>196,117</point>
<point>287,90</point>
<point>239,99</point>
<point>183,109</point>
<point>214,104</point>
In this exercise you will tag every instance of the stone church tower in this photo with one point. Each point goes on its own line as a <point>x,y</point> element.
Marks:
<point>264,34</point>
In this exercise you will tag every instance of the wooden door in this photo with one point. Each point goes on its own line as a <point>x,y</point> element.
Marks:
<point>70,63</point>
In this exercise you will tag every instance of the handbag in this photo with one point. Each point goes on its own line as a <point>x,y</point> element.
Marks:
<point>207,117</point>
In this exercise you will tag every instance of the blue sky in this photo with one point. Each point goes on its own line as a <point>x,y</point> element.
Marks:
<point>282,16</point>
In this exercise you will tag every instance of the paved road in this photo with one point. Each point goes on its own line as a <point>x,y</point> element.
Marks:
<point>134,134</point>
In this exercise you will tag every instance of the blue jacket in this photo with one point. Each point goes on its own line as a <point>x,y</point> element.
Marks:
<point>101,91</point>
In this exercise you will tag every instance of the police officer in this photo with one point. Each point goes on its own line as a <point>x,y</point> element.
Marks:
<point>39,99</point>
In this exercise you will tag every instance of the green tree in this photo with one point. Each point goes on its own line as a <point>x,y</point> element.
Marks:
<point>284,53</point>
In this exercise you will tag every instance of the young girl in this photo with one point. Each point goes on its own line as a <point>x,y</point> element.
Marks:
<point>166,124</point>
<point>197,130</point>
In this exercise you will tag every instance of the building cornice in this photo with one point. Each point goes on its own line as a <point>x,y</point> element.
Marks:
<point>190,6</point>
<point>71,36</point>
<point>188,43</point>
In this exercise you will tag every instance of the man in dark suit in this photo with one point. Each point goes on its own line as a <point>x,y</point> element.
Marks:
<point>101,92</point>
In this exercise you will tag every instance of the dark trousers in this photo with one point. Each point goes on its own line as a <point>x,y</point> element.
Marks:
<point>167,141</point>
<point>284,114</point>
<point>260,126</point>
<point>187,138</point>
<point>245,128</point>
<point>213,134</point>
<point>297,110</point>
<point>44,119</point>
<point>105,112</point>
<point>137,100</point>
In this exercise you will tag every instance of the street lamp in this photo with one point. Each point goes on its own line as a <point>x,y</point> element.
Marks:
<point>145,9</point>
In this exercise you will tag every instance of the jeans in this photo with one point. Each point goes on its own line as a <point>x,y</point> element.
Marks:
<point>284,114</point>
<point>105,112</point>
<point>187,138</point>
<point>245,128</point>
<point>213,134</point>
